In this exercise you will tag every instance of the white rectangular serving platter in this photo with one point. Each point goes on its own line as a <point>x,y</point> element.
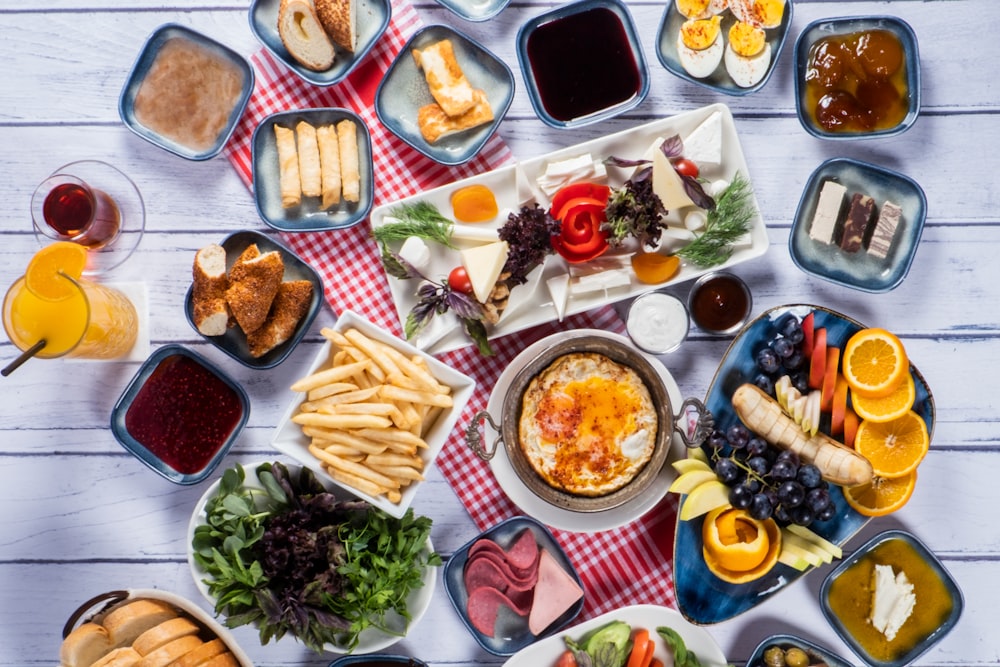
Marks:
<point>516,185</point>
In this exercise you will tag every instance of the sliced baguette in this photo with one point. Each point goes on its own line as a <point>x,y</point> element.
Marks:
<point>164,633</point>
<point>168,653</point>
<point>339,19</point>
<point>201,655</point>
<point>303,35</point>
<point>126,656</point>
<point>125,623</point>
<point>226,659</point>
<point>85,645</point>
<point>209,309</point>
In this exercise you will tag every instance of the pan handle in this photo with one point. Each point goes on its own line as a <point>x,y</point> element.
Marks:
<point>110,598</point>
<point>474,439</point>
<point>695,432</point>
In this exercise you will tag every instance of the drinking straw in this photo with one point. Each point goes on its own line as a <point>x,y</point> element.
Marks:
<point>27,354</point>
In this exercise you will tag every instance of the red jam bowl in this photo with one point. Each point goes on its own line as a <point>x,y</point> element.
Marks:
<point>180,415</point>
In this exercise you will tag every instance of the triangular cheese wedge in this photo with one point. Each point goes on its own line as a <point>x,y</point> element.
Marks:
<point>555,592</point>
<point>484,264</point>
<point>667,185</point>
<point>704,145</point>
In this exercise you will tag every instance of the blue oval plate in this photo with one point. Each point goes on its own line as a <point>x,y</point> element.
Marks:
<point>308,217</point>
<point>372,20</point>
<point>701,596</point>
<point>860,270</point>
<point>719,80</point>
<point>404,90</point>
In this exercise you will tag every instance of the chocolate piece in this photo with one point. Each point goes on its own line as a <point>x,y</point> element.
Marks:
<point>859,217</point>
<point>884,230</point>
<point>828,211</point>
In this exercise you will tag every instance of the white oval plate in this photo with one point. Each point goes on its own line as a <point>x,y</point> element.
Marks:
<point>557,517</point>
<point>649,616</point>
<point>370,640</point>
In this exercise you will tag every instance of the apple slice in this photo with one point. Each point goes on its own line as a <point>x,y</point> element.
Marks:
<point>689,481</point>
<point>808,333</point>
<point>817,360</point>
<point>830,377</point>
<point>812,536</point>
<point>689,465</point>
<point>705,498</point>
<point>838,409</point>
<point>851,423</point>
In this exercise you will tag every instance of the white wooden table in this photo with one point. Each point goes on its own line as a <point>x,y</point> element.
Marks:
<point>80,516</point>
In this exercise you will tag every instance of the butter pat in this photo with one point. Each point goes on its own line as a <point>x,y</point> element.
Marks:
<point>484,264</point>
<point>828,209</point>
<point>893,601</point>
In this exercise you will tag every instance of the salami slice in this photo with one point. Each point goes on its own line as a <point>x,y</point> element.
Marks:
<point>523,553</point>
<point>484,607</point>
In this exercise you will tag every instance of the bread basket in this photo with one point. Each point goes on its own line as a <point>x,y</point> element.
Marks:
<point>99,606</point>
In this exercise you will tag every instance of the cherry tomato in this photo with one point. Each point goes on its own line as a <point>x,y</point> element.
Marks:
<point>566,660</point>
<point>459,281</point>
<point>686,167</point>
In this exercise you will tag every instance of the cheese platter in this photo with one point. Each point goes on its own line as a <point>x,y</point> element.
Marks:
<point>559,288</point>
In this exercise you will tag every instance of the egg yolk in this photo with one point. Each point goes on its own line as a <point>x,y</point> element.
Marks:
<point>769,12</point>
<point>692,8</point>
<point>746,40</point>
<point>701,34</point>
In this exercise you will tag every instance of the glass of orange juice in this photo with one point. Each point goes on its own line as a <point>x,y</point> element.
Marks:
<point>75,317</point>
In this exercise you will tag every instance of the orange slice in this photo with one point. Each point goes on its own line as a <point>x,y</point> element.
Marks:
<point>738,548</point>
<point>874,363</point>
<point>50,270</point>
<point>653,268</point>
<point>882,496</point>
<point>894,448</point>
<point>890,407</point>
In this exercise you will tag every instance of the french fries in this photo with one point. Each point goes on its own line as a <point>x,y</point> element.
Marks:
<point>367,413</point>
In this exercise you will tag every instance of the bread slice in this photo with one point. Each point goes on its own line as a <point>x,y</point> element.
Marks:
<point>435,124</point>
<point>253,285</point>
<point>85,645</point>
<point>171,651</point>
<point>201,655</point>
<point>126,656</point>
<point>290,305</point>
<point>209,310</point>
<point>339,19</point>
<point>226,659</point>
<point>125,623</point>
<point>304,36</point>
<point>164,633</point>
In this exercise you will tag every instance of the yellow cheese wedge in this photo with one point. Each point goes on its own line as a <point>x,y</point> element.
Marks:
<point>484,264</point>
<point>667,185</point>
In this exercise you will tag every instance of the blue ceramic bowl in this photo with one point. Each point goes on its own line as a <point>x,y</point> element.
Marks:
<point>404,90</point>
<point>832,27</point>
<point>140,69</point>
<point>817,654</point>
<point>565,91</point>
<point>720,81</point>
<point>171,371</point>
<point>234,341</point>
<point>376,660</point>
<point>373,19</point>
<point>879,550</point>
<point>512,632</point>
<point>860,270</point>
<point>307,217</point>
<point>475,10</point>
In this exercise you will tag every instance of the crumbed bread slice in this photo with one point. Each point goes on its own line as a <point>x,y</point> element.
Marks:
<point>249,253</point>
<point>303,35</point>
<point>170,652</point>
<point>445,78</point>
<point>125,656</point>
<point>85,645</point>
<point>290,305</point>
<point>329,160</point>
<point>209,309</point>
<point>434,123</point>
<point>199,656</point>
<point>226,659</point>
<point>253,285</point>
<point>289,181</point>
<point>130,620</point>
<point>350,168</point>
<point>309,170</point>
<point>339,19</point>
<point>164,633</point>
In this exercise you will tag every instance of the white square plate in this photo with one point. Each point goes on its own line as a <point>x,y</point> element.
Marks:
<point>289,439</point>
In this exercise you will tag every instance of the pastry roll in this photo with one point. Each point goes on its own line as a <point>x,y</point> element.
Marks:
<point>288,167</point>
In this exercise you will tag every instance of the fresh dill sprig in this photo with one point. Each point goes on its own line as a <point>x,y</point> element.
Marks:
<point>421,219</point>
<point>729,221</point>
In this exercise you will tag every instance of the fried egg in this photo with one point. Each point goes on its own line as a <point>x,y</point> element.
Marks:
<point>588,424</point>
<point>748,55</point>
<point>694,9</point>
<point>699,47</point>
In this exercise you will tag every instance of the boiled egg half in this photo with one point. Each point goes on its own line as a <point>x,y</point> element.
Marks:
<point>748,55</point>
<point>694,9</point>
<point>699,46</point>
<point>759,13</point>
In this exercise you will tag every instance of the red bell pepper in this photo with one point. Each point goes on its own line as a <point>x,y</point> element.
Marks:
<point>575,190</point>
<point>581,238</point>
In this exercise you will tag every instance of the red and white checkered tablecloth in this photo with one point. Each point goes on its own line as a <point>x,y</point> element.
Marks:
<point>624,566</point>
